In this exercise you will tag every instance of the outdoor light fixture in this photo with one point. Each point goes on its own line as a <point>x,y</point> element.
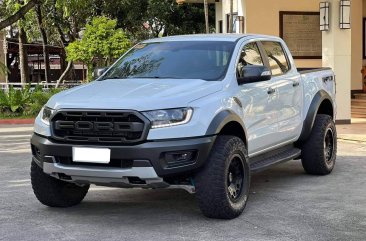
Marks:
<point>345,14</point>
<point>324,16</point>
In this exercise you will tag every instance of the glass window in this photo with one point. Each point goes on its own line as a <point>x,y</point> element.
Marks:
<point>249,55</point>
<point>207,60</point>
<point>276,57</point>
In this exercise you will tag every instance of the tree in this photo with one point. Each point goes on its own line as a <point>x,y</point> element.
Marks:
<point>42,30</point>
<point>18,14</point>
<point>100,45</point>
<point>172,19</point>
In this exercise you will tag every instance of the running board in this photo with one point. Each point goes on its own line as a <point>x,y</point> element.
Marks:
<point>267,160</point>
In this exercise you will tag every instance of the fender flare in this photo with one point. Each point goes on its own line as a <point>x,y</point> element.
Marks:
<point>308,124</point>
<point>223,118</point>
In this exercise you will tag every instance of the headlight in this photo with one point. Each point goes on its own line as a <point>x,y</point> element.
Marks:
<point>170,117</point>
<point>46,114</point>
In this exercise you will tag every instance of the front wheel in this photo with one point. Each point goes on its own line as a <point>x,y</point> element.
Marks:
<point>223,183</point>
<point>320,151</point>
<point>53,192</point>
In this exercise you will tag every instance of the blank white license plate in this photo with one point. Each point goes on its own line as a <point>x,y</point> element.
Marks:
<point>92,155</point>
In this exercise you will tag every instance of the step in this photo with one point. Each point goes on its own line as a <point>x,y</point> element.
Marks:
<point>360,96</point>
<point>360,111</point>
<point>358,115</point>
<point>262,162</point>
<point>358,103</point>
<point>358,108</point>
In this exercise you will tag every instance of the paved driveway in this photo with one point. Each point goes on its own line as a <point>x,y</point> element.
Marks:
<point>285,204</point>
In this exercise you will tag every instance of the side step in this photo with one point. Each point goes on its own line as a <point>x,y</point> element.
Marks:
<point>267,160</point>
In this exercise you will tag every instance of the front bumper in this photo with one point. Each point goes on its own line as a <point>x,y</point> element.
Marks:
<point>146,161</point>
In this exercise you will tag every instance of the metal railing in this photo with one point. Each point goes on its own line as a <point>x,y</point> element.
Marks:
<point>45,86</point>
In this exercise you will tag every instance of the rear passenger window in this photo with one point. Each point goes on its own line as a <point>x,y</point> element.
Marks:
<point>276,57</point>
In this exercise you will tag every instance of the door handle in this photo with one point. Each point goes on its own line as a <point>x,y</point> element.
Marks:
<point>295,83</point>
<point>271,91</point>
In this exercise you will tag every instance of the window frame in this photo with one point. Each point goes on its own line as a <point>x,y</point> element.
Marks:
<point>261,53</point>
<point>267,58</point>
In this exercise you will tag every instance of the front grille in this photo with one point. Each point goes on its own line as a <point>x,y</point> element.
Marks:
<point>93,126</point>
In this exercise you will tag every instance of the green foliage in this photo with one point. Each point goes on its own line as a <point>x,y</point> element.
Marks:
<point>14,100</point>
<point>3,69</point>
<point>100,45</point>
<point>38,99</point>
<point>174,19</point>
<point>25,101</point>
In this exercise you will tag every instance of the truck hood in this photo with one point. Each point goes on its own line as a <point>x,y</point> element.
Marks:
<point>136,94</point>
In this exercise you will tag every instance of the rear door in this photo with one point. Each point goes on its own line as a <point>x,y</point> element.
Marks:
<point>287,84</point>
<point>259,103</point>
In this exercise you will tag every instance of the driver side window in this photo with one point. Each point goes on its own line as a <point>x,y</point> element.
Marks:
<point>249,56</point>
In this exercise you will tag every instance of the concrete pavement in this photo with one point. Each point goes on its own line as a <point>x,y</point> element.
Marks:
<point>284,204</point>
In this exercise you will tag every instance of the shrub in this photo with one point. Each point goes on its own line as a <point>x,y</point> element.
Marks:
<point>25,101</point>
<point>14,100</point>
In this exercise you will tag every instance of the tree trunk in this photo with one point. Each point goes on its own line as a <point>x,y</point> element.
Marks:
<point>206,16</point>
<point>23,56</point>
<point>230,30</point>
<point>68,68</point>
<point>18,15</point>
<point>44,43</point>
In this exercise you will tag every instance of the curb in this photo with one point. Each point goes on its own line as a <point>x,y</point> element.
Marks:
<point>16,121</point>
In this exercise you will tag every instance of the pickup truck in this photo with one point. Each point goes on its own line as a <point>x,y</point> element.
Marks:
<point>196,112</point>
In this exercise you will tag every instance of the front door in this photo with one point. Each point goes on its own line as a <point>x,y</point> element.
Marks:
<point>259,104</point>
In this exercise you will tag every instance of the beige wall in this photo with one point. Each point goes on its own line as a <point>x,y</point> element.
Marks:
<point>263,18</point>
<point>356,37</point>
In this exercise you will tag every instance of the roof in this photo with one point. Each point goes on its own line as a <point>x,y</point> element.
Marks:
<point>32,48</point>
<point>208,37</point>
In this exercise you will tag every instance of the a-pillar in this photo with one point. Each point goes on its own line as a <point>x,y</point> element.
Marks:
<point>337,54</point>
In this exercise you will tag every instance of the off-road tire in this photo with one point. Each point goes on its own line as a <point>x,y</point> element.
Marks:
<point>317,159</point>
<point>213,195</point>
<point>53,192</point>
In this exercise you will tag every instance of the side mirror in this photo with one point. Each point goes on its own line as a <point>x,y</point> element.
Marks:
<point>98,72</point>
<point>254,73</point>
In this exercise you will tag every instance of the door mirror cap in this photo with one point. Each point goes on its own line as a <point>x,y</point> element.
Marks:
<point>99,72</point>
<point>254,73</point>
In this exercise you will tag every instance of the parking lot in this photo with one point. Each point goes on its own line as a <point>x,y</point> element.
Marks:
<point>284,204</point>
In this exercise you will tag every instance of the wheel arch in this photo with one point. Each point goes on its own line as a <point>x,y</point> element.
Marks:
<point>228,123</point>
<point>321,104</point>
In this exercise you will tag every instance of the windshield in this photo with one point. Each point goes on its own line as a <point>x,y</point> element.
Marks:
<point>207,60</point>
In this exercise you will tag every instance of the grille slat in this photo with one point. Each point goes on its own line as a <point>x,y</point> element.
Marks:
<point>99,126</point>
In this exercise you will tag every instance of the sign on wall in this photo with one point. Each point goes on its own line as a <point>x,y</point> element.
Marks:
<point>300,31</point>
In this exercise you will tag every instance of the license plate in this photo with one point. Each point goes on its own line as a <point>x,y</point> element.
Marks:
<point>92,155</point>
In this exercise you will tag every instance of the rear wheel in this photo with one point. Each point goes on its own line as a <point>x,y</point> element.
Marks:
<point>223,183</point>
<point>320,150</point>
<point>53,192</point>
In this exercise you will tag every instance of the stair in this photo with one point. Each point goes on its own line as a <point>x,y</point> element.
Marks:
<point>358,106</point>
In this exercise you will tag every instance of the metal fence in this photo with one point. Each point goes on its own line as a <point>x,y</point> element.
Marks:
<point>45,86</point>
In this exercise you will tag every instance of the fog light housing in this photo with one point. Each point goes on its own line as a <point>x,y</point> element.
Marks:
<point>180,158</point>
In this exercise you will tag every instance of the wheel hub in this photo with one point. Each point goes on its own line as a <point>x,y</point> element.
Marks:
<point>328,145</point>
<point>235,178</point>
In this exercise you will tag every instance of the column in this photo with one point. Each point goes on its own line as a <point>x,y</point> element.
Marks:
<point>337,54</point>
